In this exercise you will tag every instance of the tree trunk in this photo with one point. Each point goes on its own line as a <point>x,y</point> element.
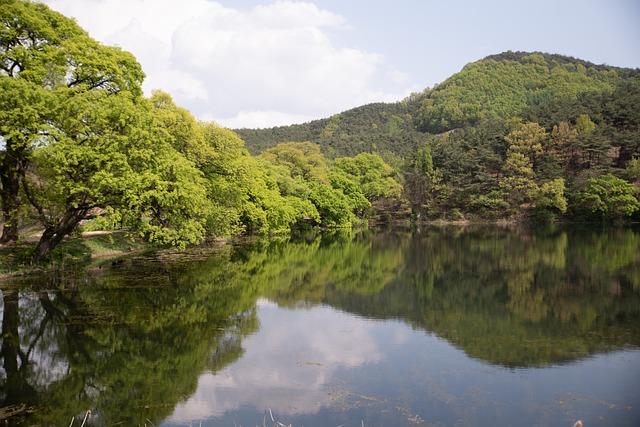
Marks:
<point>15,363</point>
<point>10,179</point>
<point>11,345</point>
<point>53,235</point>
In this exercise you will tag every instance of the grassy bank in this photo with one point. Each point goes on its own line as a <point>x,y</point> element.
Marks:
<point>15,258</point>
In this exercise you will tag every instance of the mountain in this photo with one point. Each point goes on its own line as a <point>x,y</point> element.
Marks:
<point>512,136</point>
<point>508,84</point>
<point>380,127</point>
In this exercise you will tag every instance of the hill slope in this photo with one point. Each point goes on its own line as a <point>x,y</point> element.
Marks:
<point>512,136</point>
<point>498,86</point>
<point>377,127</point>
<point>507,84</point>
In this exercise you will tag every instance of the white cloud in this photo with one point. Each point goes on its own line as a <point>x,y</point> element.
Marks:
<point>276,63</point>
<point>398,77</point>
<point>261,119</point>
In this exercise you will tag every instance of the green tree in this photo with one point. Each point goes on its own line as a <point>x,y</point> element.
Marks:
<point>518,181</point>
<point>584,125</point>
<point>633,170</point>
<point>44,59</point>
<point>608,196</point>
<point>375,177</point>
<point>529,139</point>
<point>303,173</point>
<point>563,147</point>
<point>423,163</point>
<point>109,152</point>
<point>424,183</point>
<point>242,194</point>
<point>505,85</point>
<point>551,196</point>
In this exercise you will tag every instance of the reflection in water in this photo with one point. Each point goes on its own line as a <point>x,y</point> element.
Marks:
<point>516,327</point>
<point>285,367</point>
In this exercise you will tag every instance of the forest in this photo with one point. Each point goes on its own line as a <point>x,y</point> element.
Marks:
<point>513,137</point>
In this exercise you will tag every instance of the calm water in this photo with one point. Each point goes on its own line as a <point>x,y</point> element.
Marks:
<point>441,327</point>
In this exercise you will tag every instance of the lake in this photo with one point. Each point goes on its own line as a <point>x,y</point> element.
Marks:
<point>477,326</point>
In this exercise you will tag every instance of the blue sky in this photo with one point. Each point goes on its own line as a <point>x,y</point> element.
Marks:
<point>430,40</point>
<point>258,63</point>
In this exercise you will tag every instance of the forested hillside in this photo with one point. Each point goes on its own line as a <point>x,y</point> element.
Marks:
<point>513,135</point>
<point>380,127</point>
<point>510,84</point>
<point>507,84</point>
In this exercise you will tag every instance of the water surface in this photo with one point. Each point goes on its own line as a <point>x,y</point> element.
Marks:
<point>476,326</point>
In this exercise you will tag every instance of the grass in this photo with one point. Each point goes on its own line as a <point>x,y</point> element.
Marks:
<point>111,244</point>
<point>15,258</point>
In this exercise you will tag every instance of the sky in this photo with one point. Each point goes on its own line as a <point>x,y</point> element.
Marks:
<point>262,63</point>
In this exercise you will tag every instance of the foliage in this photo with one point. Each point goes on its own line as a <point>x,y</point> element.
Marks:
<point>504,86</point>
<point>551,196</point>
<point>570,119</point>
<point>528,139</point>
<point>373,128</point>
<point>113,156</point>
<point>339,192</point>
<point>242,196</point>
<point>424,185</point>
<point>609,197</point>
<point>46,59</point>
<point>633,170</point>
<point>372,175</point>
<point>518,134</point>
<point>79,138</point>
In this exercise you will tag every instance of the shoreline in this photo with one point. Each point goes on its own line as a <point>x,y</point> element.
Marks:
<point>125,245</point>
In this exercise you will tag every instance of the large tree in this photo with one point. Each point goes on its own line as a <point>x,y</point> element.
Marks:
<point>113,153</point>
<point>45,58</point>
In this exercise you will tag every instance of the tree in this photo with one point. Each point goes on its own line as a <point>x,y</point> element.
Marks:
<point>216,153</point>
<point>633,170</point>
<point>369,182</point>
<point>303,173</point>
<point>110,152</point>
<point>21,121</point>
<point>551,196</point>
<point>46,57</point>
<point>351,187</point>
<point>563,147</point>
<point>375,178</point>
<point>610,197</point>
<point>518,181</point>
<point>424,183</point>
<point>505,85</point>
<point>584,125</point>
<point>423,162</point>
<point>528,139</point>
<point>244,194</point>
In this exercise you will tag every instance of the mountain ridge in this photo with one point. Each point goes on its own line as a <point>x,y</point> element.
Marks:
<point>517,81</point>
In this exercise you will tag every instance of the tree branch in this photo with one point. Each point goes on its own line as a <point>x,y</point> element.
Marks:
<point>33,201</point>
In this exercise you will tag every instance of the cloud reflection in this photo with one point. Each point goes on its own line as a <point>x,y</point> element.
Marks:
<point>272,375</point>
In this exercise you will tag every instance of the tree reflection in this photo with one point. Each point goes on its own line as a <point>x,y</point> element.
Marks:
<point>126,346</point>
<point>515,299</point>
<point>130,341</point>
